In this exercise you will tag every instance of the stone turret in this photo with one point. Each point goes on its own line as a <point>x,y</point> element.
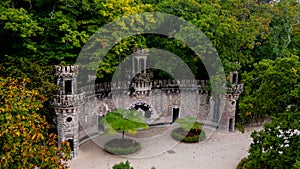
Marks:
<point>227,122</point>
<point>141,77</point>
<point>66,106</point>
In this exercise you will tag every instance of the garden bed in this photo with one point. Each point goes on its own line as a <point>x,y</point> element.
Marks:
<point>192,136</point>
<point>122,146</point>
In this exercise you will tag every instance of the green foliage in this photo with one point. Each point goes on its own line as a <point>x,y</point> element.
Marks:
<point>24,141</point>
<point>49,32</point>
<point>296,165</point>
<point>270,87</point>
<point>239,22</point>
<point>123,165</point>
<point>41,77</point>
<point>278,144</point>
<point>125,120</point>
<point>187,139</point>
<point>283,31</point>
<point>187,123</point>
<point>242,163</point>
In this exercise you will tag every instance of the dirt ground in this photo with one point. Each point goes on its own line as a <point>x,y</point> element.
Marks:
<point>219,151</point>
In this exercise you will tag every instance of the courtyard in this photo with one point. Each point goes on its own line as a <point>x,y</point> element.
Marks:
<point>219,151</point>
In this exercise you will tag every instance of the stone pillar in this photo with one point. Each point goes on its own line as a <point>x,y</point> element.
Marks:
<point>139,56</point>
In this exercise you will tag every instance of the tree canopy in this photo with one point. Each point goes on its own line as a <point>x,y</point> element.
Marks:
<point>124,120</point>
<point>257,38</point>
<point>24,140</point>
<point>270,87</point>
<point>277,145</point>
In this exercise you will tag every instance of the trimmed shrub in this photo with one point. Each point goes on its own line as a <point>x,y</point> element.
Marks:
<point>122,146</point>
<point>179,135</point>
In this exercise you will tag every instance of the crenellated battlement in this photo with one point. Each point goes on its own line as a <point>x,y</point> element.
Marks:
<point>235,89</point>
<point>164,85</point>
<point>66,71</point>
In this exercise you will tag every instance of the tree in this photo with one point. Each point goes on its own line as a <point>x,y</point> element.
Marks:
<point>124,120</point>
<point>277,145</point>
<point>51,31</point>
<point>270,88</point>
<point>24,140</point>
<point>283,30</point>
<point>232,26</point>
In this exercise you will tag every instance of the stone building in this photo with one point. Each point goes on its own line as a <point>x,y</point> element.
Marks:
<point>160,101</point>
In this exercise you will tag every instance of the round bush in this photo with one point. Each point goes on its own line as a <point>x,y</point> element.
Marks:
<point>188,137</point>
<point>122,146</point>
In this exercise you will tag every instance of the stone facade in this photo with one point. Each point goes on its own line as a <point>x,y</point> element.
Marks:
<point>67,106</point>
<point>160,101</point>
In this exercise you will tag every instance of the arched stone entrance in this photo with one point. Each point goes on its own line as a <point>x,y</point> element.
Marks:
<point>142,107</point>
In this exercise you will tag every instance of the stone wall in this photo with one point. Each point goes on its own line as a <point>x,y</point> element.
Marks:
<point>78,113</point>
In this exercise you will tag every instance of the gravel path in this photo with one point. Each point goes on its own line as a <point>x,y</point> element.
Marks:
<point>220,151</point>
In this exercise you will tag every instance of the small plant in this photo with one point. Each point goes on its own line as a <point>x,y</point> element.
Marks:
<point>190,131</point>
<point>126,121</point>
<point>189,123</point>
<point>125,165</point>
<point>122,165</point>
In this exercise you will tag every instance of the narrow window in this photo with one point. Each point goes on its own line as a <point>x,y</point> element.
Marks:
<point>175,114</point>
<point>71,142</point>
<point>234,78</point>
<point>68,87</point>
<point>230,125</point>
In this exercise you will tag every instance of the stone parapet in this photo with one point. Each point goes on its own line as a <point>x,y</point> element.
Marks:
<point>172,86</point>
<point>66,71</point>
<point>235,89</point>
<point>68,100</point>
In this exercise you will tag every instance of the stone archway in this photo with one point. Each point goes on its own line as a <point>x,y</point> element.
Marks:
<point>142,107</point>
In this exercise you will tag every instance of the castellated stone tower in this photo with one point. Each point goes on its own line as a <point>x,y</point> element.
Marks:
<point>227,121</point>
<point>66,106</point>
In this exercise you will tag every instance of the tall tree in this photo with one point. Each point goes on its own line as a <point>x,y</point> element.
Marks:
<point>24,140</point>
<point>49,32</point>
<point>277,145</point>
<point>270,88</point>
<point>283,30</point>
